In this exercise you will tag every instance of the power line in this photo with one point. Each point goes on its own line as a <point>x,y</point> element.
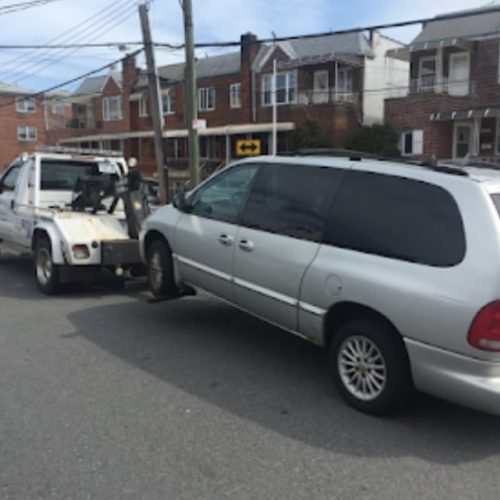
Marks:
<point>73,80</point>
<point>10,9</point>
<point>95,31</point>
<point>68,45</point>
<point>78,33</point>
<point>375,27</point>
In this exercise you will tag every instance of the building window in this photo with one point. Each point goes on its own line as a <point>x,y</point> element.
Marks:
<point>168,102</point>
<point>345,84</point>
<point>113,145</point>
<point>25,104</point>
<point>427,74</point>
<point>412,143</point>
<point>143,106</point>
<point>57,108</point>
<point>112,108</point>
<point>235,95</point>
<point>206,99</point>
<point>27,133</point>
<point>286,88</point>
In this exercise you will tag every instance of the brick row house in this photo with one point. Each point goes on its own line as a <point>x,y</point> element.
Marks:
<point>322,79</point>
<point>452,106</point>
<point>24,119</point>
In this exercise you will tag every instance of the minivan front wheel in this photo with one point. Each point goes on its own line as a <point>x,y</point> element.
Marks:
<point>160,269</point>
<point>370,366</point>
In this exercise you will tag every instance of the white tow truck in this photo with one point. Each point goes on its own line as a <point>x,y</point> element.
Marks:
<point>75,211</point>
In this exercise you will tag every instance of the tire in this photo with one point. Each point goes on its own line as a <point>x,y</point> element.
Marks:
<point>380,387</point>
<point>46,272</point>
<point>160,269</point>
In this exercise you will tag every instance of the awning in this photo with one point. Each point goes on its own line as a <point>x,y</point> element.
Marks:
<point>245,128</point>
<point>465,114</point>
<point>404,53</point>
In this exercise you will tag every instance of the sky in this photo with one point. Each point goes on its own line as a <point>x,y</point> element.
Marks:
<point>90,21</point>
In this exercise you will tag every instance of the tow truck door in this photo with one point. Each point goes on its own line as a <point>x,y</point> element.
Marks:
<point>8,185</point>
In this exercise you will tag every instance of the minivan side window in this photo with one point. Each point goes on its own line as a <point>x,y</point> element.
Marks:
<point>222,198</point>
<point>398,218</point>
<point>291,200</point>
<point>10,178</point>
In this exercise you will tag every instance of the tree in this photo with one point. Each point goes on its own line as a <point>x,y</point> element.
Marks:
<point>376,139</point>
<point>310,135</point>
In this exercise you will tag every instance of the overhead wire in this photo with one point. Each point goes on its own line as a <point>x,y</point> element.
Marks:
<point>125,14</point>
<point>71,31</point>
<point>84,33</point>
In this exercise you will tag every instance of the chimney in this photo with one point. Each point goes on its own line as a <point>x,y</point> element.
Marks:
<point>129,76</point>
<point>249,50</point>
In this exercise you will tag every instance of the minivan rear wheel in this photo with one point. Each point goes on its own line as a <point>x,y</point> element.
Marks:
<point>370,366</point>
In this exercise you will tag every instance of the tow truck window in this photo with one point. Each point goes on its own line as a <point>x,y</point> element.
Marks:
<point>62,175</point>
<point>10,178</point>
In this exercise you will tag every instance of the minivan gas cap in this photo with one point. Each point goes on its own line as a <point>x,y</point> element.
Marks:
<point>333,284</point>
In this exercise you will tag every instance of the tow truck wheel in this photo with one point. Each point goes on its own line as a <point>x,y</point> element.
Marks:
<point>160,269</point>
<point>46,272</point>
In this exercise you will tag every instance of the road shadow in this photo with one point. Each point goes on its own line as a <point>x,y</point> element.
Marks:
<point>17,281</point>
<point>264,375</point>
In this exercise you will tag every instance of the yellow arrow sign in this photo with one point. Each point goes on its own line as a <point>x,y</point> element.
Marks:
<point>249,147</point>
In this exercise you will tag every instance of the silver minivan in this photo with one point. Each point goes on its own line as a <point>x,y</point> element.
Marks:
<point>393,268</point>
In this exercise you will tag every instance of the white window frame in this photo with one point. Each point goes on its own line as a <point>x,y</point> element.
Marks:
<point>25,104</point>
<point>267,85</point>
<point>204,99</point>
<point>235,95</point>
<point>497,138</point>
<point>23,133</point>
<point>168,96</point>
<point>498,59</point>
<point>454,56</point>
<point>107,114</point>
<point>58,108</point>
<point>143,106</point>
<point>421,84</point>
<point>417,143</point>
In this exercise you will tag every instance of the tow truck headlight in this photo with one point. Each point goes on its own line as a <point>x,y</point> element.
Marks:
<point>80,252</point>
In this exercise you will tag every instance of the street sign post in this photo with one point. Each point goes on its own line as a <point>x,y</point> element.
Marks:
<point>248,147</point>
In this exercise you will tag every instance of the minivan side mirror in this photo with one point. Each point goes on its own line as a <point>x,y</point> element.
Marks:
<point>180,203</point>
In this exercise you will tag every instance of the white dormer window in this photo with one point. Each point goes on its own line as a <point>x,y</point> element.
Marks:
<point>25,104</point>
<point>112,108</point>
<point>143,106</point>
<point>286,88</point>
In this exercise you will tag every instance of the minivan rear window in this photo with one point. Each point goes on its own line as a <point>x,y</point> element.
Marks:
<point>396,217</point>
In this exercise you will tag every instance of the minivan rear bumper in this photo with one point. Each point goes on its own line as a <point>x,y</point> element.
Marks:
<point>461,379</point>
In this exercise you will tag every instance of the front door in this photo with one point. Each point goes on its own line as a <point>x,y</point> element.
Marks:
<point>459,74</point>
<point>279,238</point>
<point>462,142</point>
<point>205,237</point>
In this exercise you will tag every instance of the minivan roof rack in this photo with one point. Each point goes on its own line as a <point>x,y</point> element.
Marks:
<point>352,155</point>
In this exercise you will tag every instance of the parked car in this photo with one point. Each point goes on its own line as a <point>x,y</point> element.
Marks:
<point>393,268</point>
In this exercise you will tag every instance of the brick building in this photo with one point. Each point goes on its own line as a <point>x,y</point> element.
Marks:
<point>322,79</point>
<point>23,120</point>
<point>452,106</point>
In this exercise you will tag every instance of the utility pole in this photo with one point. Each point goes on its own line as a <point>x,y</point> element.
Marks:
<point>191,97</point>
<point>156,103</point>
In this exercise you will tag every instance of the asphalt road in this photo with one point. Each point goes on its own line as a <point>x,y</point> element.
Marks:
<point>105,396</point>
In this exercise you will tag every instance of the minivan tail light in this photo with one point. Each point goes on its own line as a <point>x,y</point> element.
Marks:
<point>484,332</point>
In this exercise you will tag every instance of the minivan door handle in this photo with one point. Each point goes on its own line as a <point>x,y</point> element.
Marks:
<point>225,239</point>
<point>247,245</point>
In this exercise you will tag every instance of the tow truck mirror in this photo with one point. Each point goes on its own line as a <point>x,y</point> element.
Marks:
<point>181,203</point>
